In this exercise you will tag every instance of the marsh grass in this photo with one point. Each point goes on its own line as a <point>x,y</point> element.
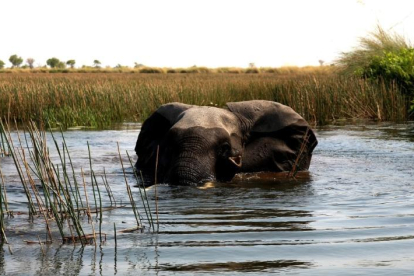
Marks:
<point>99,100</point>
<point>51,189</point>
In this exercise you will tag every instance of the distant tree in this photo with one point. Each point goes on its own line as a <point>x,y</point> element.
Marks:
<point>1,64</point>
<point>15,60</point>
<point>71,63</point>
<point>97,63</point>
<point>61,65</point>
<point>321,62</point>
<point>30,62</point>
<point>52,62</point>
<point>252,65</point>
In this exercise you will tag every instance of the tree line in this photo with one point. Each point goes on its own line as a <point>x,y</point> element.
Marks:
<point>53,62</point>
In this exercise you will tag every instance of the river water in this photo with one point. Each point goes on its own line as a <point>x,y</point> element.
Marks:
<point>352,214</point>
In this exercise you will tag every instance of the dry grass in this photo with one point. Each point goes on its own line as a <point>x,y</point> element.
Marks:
<point>98,100</point>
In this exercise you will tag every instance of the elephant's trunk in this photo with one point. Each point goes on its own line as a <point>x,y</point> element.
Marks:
<point>188,170</point>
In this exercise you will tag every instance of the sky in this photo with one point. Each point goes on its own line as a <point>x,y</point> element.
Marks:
<point>184,33</point>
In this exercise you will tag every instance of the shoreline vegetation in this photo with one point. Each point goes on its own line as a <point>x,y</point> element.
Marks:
<point>320,94</point>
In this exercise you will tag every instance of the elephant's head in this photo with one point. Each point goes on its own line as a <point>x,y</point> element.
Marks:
<point>200,143</point>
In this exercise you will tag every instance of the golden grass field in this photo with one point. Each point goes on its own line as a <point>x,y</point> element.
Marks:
<point>102,98</point>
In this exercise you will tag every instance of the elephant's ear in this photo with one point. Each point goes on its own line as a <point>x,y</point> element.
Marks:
<point>155,128</point>
<point>276,135</point>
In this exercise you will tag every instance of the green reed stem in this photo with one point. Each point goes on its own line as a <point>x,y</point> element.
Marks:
<point>9,141</point>
<point>63,162</point>
<point>100,208</point>
<point>155,187</point>
<point>134,209</point>
<point>147,207</point>
<point>93,188</point>
<point>73,170</point>
<point>88,209</point>
<point>3,232</point>
<point>4,194</point>
<point>46,199</point>
<point>70,209</point>
<point>131,198</point>
<point>3,151</point>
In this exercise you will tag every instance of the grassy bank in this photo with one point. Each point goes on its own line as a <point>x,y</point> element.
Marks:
<point>167,70</point>
<point>99,100</point>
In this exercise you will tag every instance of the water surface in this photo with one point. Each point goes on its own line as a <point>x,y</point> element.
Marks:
<point>352,214</point>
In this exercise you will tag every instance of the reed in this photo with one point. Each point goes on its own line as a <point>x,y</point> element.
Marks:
<point>131,198</point>
<point>116,241</point>
<point>99,100</point>
<point>18,165</point>
<point>3,194</point>
<point>92,180</point>
<point>100,208</point>
<point>3,237</point>
<point>108,188</point>
<point>78,197</point>
<point>59,197</point>
<point>4,151</point>
<point>155,185</point>
<point>142,193</point>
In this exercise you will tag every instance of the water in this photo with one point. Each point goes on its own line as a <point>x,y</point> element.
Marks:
<point>353,214</point>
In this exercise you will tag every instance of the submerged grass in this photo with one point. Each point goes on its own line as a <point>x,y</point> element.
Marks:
<point>99,100</point>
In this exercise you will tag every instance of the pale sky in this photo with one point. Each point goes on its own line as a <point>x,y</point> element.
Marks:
<point>183,33</point>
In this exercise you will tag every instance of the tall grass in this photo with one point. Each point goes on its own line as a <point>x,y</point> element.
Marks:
<point>51,188</point>
<point>98,100</point>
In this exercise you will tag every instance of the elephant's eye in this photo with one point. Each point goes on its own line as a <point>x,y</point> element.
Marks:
<point>225,149</point>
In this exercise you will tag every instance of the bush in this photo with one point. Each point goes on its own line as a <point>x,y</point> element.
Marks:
<point>252,71</point>
<point>395,67</point>
<point>386,56</point>
<point>377,44</point>
<point>151,70</point>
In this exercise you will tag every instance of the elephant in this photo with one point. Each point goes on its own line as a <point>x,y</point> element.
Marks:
<point>183,144</point>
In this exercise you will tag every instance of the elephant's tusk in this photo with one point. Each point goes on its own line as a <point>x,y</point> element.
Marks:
<point>236,160</point>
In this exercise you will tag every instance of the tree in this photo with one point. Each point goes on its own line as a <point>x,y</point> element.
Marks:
<point>97,63</point>
<point>71,63</point>
<point>52,62</point>
<point>321,62</point>
<point>30,62</point>
<point>15,60</point>
<point>1,64</point>
<point>61,65</point>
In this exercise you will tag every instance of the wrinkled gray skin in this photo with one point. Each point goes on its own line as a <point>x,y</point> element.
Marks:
<point>202,143</point>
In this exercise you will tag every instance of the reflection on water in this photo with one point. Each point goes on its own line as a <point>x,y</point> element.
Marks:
<point>253,266</point>
<point>352,214</point>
